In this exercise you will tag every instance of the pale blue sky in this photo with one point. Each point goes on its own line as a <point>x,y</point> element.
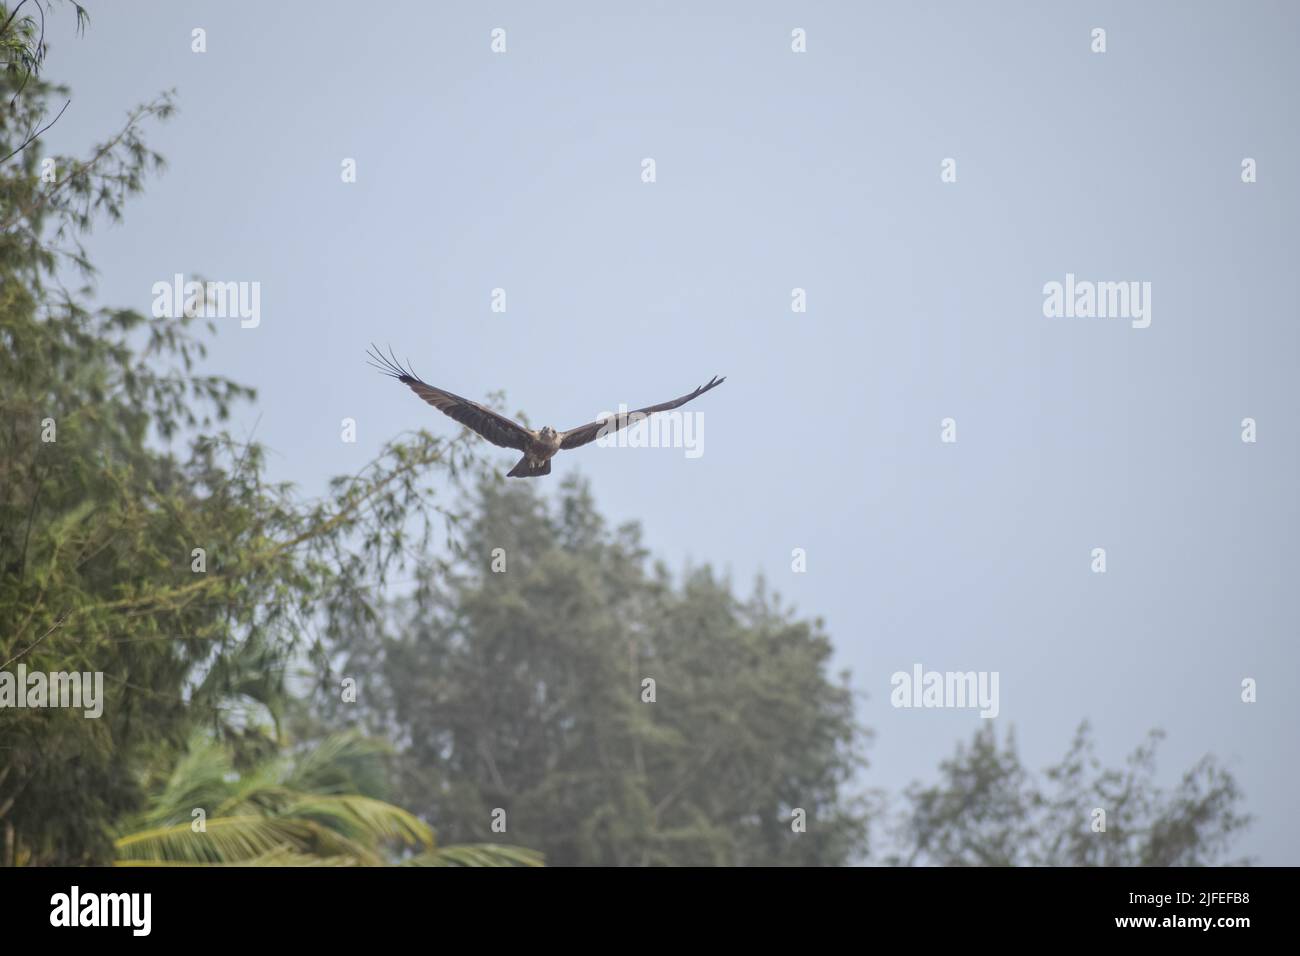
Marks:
<point>820,171</point>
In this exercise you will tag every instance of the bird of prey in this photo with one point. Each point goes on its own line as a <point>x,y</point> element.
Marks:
<point>538,446</point>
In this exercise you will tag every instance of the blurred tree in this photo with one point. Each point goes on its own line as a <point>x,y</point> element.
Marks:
<point>521,689</point>
<point>524,689</point>
<point>987,810</point>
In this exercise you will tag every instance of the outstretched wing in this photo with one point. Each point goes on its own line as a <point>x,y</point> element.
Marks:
<point>577,437</point>
<point>495,427</point>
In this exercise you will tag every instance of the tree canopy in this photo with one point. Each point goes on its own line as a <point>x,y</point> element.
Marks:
<point>987,809</point>
<point>616,718</point>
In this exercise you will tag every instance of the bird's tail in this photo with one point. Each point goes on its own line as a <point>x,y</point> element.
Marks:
<point>523,469</point>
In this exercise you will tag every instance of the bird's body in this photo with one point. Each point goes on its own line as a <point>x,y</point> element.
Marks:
<point>537,456</point>
<point>540,446</point>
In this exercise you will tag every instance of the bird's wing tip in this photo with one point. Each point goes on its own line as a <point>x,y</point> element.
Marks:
<point>389,364</point>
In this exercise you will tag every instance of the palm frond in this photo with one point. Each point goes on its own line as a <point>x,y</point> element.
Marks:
<point>301,811</point>
<point>363,819</point>
<point>224,840</point>
<point>477,854</point>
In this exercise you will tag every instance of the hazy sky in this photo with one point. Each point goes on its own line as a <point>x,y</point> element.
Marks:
<point>822,171</point>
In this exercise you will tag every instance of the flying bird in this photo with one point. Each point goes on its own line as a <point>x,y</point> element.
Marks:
<point>539,447</point>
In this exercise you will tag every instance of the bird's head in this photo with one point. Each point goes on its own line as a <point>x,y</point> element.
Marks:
<point>548,432</point>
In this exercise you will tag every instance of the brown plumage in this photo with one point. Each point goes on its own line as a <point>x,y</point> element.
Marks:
<point>538,446</point>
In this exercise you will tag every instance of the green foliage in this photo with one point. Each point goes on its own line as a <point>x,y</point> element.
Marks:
<point>22,39</point>
<point>987,810</point>
<point>317,809</point>
<point>523,690</point>
<point>113,470</point>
